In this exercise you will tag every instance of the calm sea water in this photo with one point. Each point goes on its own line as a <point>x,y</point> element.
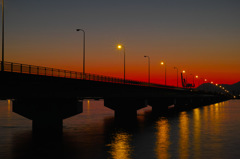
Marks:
<point>207,132</point>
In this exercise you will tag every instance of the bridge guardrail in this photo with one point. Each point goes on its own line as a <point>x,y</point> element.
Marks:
<point>46,71</point>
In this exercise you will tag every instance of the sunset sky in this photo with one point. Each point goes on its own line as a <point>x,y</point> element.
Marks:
<point>199,36</point>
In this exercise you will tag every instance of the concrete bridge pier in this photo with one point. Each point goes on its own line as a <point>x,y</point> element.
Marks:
<point>191,102</point>
<point>194,102</point>
<point>202,101</point>
<point>47,114</point>
<point>125,108</point>
<point>183,103</point>
<point>160,105</point>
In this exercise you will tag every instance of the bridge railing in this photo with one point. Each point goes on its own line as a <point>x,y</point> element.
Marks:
<point>46,71</point>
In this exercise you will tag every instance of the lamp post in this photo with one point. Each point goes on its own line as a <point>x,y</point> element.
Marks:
<point>124,68</point>
<point>162,63</point>
<point>193,78</point>
<point>2,63</point>
<point>83,49</point>
<point>184,81</point>
<point>197,79</point>
<point>148,68</point>
<point>177,74</point>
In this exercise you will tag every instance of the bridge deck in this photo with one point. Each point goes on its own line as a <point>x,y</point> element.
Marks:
<point>21,80</point>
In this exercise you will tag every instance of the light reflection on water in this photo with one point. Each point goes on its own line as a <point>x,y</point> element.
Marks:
<point>120,147</point>
<point>184,135</point>
<point>205,132</point>
<point>162,139</point>
<point>197,132</point>
<point>9,106</point>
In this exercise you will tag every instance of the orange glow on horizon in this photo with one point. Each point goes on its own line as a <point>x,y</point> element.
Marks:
<point>111,64</point>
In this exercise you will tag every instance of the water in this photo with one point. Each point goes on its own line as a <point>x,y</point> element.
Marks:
<point>207,132</point>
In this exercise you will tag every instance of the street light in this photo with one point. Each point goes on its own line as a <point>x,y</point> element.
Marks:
<point>119,46</point>
<point>162,63</point>
<point>197,79</point>
<point>83,49</point>
<point>122,47</point>
<point>2,64</point>
<point>148,68</point>
<point>177,74</point>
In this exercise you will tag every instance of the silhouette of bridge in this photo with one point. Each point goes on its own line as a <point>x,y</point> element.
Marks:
<point>48,95</point>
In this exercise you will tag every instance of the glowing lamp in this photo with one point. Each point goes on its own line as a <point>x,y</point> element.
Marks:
<point>119,46</point>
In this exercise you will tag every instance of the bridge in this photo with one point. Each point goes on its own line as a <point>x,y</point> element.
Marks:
<point>47,95</point>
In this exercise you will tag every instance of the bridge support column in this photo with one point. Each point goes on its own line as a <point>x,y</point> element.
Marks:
<point>47,114</point>
<point>125,108</point>
<point>47,121</point>
<point>192,102</point>
<point>183,103</point>
<point>160,105</point>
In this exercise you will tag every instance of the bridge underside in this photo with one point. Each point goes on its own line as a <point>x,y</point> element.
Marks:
<point>47,114</point>
<point>125,107</point>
